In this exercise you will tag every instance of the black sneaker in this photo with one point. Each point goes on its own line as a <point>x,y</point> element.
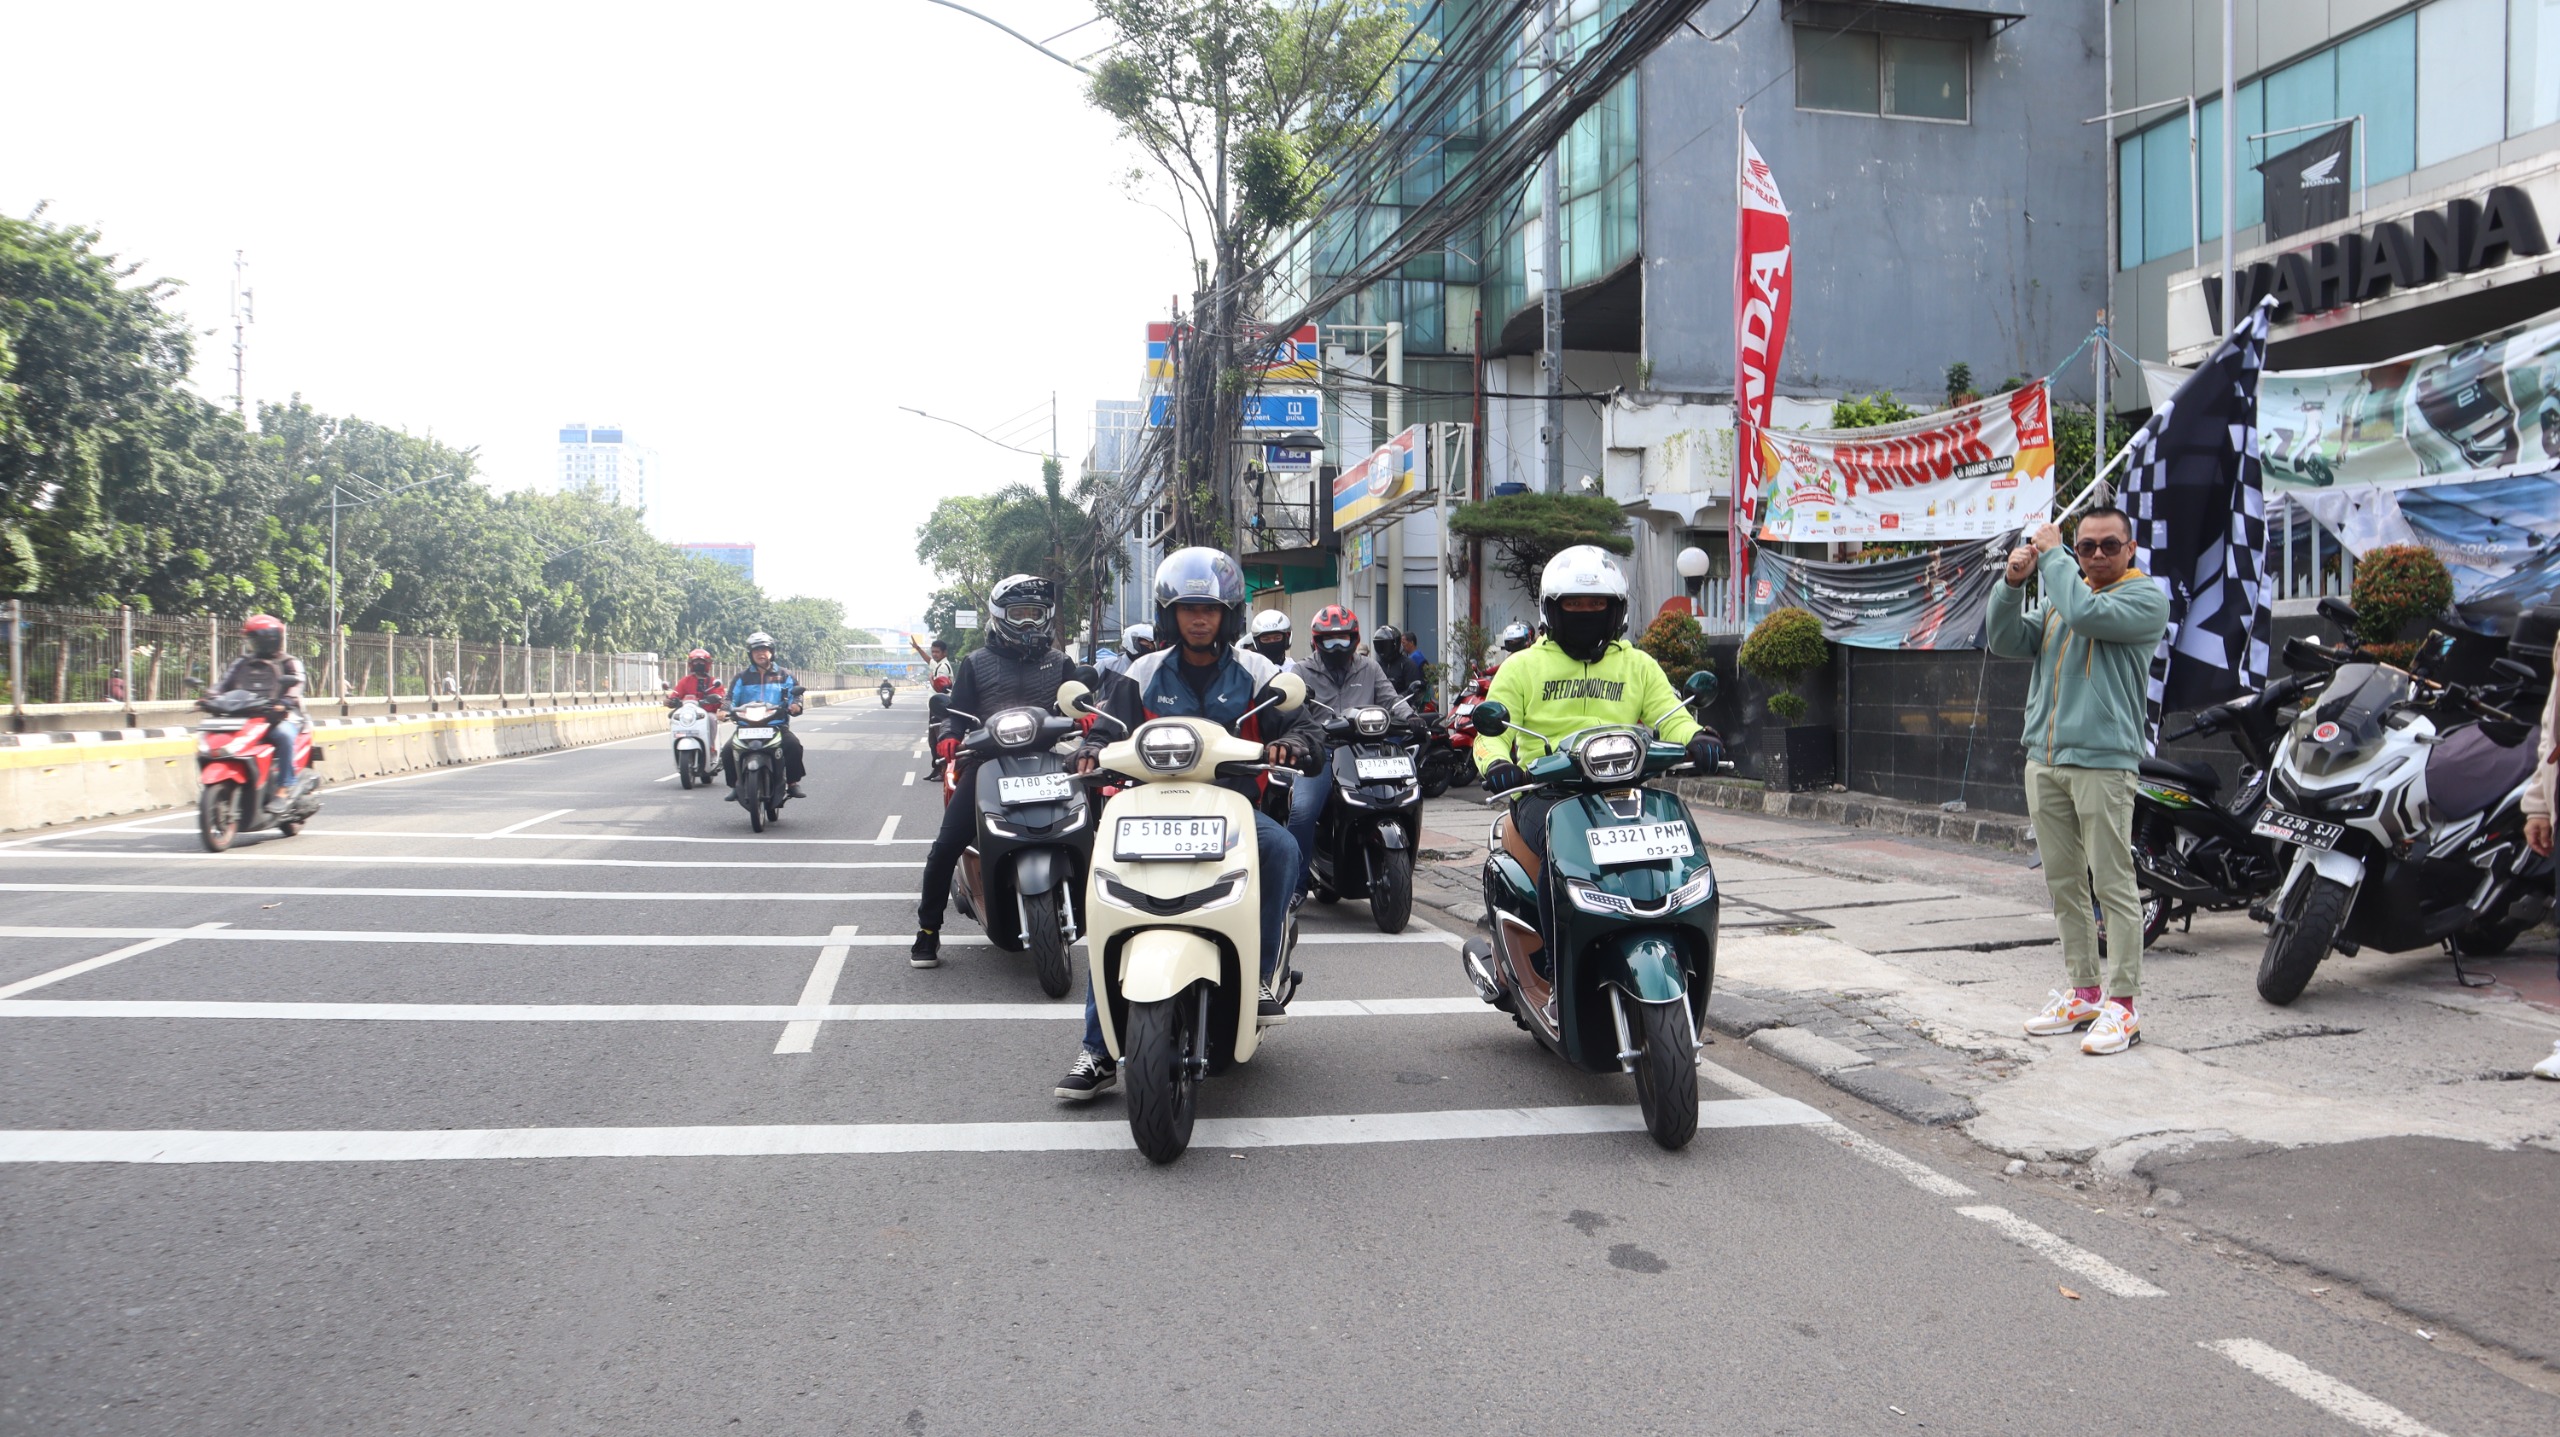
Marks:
<point>1271,1012</point>
<point>927,952</point>
<point>1088,1078</point>
<point>731,796</point>
<point>793,791</point>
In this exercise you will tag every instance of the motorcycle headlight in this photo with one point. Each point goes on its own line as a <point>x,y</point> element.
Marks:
<point>1696,890</point>
<point>2354,805</point>
<point>1015,727</point>
<point>1591,899</point>
<point>1370,722</point>
<point>1168,748</point>
<point>1612,757</point>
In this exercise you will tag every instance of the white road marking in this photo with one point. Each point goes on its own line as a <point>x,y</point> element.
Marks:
<point>666,778</point>
<point>257,854</point>
<point>801,1034</point>
<point>909,780</point>
<point>761,841</point>
<point>888,830</point>
<point>1919,1175</point>
<point>2319,1388</point>
<point>807,1011</point>
<point>2078,1261</point>
<point>772,1140</point>
<point>260,890</point>
<point>338,788</point>
<point>550,940</point>
<point>88,965</point>
<point>514,829</point>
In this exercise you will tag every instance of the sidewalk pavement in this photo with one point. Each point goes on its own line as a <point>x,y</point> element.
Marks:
<point>1899,968</point>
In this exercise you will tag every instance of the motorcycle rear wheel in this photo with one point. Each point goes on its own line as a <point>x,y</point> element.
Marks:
<point>1667,1074</point>
<point>218,815</point>
<point>1047,938</point>
<point>2300,937</point>
<point>1163,1096</point>
<point>1391,890</point>
<point>1437,770</point>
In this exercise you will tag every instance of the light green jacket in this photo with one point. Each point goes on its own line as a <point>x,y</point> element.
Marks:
<point>1557,694</point>
<point>2092,649</point>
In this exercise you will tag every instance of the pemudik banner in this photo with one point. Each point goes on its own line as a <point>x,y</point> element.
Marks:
<point>1924,601</point>
<point>1978,472</point>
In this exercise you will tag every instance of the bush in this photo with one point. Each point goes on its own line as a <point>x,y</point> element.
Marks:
<point>1677,643</point>
<point>2397,585</point>
<point>1878,408</point>
<point>1784,647</point>
<point>1789,705</point>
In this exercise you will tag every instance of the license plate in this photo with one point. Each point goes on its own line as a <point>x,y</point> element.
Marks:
<point>1035,788</point>
<point>756,735</point>
<point>1640,843</point>
<point>1143,838</point>
<point>2286,827</point>
<point>1397,766</point>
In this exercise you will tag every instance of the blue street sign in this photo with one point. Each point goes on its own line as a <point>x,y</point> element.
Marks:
<point>1259,411</point>
<point>1277,457</point>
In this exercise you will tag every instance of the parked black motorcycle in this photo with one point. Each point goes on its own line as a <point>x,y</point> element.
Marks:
<point>1023,874</point>
<point>2193,849</point>
<point>1371,826</point>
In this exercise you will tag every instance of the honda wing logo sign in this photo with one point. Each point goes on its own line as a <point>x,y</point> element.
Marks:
<point>2306,186</point>
<point>2325,172</point>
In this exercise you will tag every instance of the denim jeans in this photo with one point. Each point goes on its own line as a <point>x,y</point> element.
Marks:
<point>1306,805</point>
<point>285,733</point>
<point>1279,855</point>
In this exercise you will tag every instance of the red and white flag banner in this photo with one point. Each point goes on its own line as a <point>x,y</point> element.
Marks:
<point>1763,291</point>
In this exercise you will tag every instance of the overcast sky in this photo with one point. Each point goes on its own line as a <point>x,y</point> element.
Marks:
<point>747,233</point>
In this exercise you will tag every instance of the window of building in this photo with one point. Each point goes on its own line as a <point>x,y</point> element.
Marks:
<point>1905,77</point>
<point>2459,107</point>
<point>2533,64</point>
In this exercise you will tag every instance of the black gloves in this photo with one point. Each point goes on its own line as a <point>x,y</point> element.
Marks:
<point>1503,776</point>
<point>1706,750</point>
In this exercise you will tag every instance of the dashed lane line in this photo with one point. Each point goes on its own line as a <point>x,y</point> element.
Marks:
<point>546,895</point>
<point>564,940</point>
<point>889,830</point>
<point>806,1011</point>
<point>2078,1261</point>
<point>89,965</point>
<point>760,840</point>
<point>800,1035</point>
<point>256,853</point>
<point>806,1140</point>
<point>1919,1175</point>
<point>2318,1388</point>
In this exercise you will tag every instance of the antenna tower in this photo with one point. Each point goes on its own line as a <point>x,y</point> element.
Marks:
<point>244,305</point>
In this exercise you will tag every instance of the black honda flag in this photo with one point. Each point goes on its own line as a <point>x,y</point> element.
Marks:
<point>2306,186</point>
<point>2200,526</point>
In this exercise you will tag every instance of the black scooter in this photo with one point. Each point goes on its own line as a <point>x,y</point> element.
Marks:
<point>1022,875</point>
<point>1371,826</point>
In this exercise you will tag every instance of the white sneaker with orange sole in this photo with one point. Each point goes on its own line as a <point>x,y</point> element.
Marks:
<point>2063,1013</point>
<point>2117,1029</point>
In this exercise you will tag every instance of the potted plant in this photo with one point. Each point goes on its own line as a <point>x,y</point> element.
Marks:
<point>1782,650</point>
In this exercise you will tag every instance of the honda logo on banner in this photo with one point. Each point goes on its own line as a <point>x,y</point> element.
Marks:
<point>1763,288</point>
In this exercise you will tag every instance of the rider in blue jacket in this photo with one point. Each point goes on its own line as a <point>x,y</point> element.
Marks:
<point>763,681</point>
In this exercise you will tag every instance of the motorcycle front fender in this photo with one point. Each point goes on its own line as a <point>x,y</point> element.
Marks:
<point>1645,963</point>
<point>1159,963</point>
<point>1391,835</point>
<point>688,744</point>
<point>2337,867</point>
<point>1037,871</point>
<point>223,770</point>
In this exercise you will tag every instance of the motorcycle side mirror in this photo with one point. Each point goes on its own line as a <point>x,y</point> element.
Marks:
<point>2520,672</point>
<point>1292,691</point>
<point>1702,686</point>
<point>2339,612</point>
<point>2301,653</point>
<point>1492,718</point>
<point>1088,675</point>
<point>1071,696</point>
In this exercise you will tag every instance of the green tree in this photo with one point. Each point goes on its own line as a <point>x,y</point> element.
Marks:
<point>1529,529</point>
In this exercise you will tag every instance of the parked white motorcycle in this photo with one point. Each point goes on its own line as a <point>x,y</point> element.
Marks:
<point>694,733</point>
<point>1173,908</point>
<point>2402,796</point>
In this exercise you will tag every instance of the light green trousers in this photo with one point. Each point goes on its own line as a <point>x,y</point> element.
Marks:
<point>2084,829</point>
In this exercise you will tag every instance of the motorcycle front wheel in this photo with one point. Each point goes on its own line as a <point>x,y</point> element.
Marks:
<point>1667,1074</point>
<point>2300,937</point>
<point>1391,889</point>
<point>1162,1093</point>
<point>1048,939</point>
<point>684,770</point>
<point>751,793</point>
<point>218,810</point>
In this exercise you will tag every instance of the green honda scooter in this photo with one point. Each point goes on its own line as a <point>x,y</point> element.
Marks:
<point>1606,951</point>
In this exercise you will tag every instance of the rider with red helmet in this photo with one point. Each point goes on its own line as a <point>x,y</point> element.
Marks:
<point>698,683</point>
<point>269,671</point>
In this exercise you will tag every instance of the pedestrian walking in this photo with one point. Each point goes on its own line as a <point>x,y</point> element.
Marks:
<point>2091,635</point>
<point>2537,806</point>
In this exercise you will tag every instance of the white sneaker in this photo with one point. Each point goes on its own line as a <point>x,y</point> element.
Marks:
<point>2549,1067</point>
<point>2063,1013</point>
<point>2116,1029</point>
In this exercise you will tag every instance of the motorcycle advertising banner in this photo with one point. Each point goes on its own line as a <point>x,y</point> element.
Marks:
<point>1763,295</point>
<point>1935,600</point>
<point>2479,409</point>
<point>1976,472</point>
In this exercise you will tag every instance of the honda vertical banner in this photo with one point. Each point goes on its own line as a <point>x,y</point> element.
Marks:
<point>2306,186</point>
<point>1762,292</point>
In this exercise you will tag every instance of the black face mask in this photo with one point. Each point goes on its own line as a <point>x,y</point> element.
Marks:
<point>1582,636</point>
<point>1336,653</point>
<point>1275,648</point>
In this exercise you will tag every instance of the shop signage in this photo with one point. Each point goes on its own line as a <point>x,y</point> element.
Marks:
<point>2465,236</point>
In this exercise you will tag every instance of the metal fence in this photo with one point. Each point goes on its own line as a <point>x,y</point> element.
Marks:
<point>122,656</point>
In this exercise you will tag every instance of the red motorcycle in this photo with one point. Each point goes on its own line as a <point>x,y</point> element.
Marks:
<point>236,766</point>
<point>1448,758</point>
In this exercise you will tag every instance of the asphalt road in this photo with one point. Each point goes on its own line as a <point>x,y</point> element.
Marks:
<point>530,1097</point>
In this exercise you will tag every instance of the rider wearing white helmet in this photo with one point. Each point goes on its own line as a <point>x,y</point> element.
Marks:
<point>766,681</point>
<point>1269,635</point>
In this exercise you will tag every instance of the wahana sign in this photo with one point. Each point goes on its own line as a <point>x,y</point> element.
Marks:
<point>1974,472</point>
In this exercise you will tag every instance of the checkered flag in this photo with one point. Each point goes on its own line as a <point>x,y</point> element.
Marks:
<point>2200,527</point>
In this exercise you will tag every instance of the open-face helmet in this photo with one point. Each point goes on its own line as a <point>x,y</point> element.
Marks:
<point>265,633</point>
<point>1200,575</point>
<point>1019,610</point>
<point>1335,635</point>
<point>1583,569</point>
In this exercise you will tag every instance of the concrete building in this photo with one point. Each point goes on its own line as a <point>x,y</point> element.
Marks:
<point>741,557</point>
<point>600,459</point>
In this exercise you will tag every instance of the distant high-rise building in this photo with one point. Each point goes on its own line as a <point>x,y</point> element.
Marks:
<point>597,459</point>
<point>741,557</point>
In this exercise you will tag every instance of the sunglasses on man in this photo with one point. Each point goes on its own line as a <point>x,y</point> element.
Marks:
<point>2092,548</point>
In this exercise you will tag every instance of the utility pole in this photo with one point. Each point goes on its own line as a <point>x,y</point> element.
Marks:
<point>2230,188</point>
<point>1551,276</point>
<point>243,314</point>
<point>2105,357</point>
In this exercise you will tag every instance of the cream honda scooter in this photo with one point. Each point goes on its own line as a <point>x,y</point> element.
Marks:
<point>1173,911</point>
